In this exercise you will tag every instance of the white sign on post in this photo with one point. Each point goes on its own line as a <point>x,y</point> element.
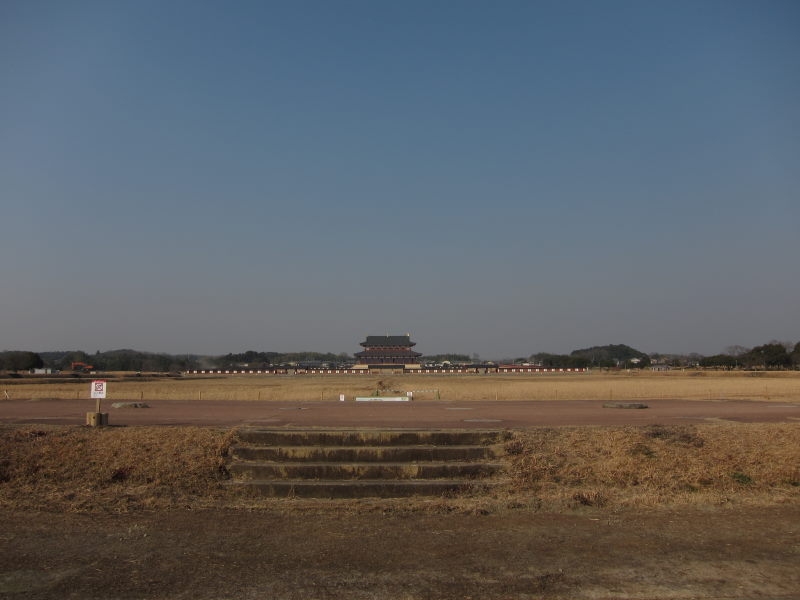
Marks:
<point>341,397</point>
<point>98,389</point>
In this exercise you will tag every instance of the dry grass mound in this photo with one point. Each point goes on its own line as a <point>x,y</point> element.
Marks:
<point>111,469</point>
<point>657,465</point>
<point>140,468</point>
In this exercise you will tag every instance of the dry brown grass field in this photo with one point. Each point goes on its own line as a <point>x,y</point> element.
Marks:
<point>689,385</point>
<point>710,464</point>
<point>81,469</point>
<point>689,511</point>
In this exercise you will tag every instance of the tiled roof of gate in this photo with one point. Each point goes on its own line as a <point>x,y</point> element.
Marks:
<point>387,352</point>
<point>376,341</point>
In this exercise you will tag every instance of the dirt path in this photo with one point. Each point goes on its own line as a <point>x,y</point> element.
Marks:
<point>420,413</point>
<point>720,553</point>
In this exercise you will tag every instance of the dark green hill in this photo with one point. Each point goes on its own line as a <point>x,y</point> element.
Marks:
<point>613,355</point>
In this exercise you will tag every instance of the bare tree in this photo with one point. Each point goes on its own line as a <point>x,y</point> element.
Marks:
<point>736,350</point>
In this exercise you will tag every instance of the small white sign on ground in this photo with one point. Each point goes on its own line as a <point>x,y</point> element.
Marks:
<point>98,388</point>
<point>383,399</point>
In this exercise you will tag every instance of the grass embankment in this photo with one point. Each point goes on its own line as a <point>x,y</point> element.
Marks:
<point>656,465</point>
<point>112,469</point>
<point>633,385</point>
<point>140,468</point>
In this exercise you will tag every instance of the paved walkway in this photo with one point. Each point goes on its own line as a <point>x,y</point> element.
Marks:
<point>419,413</point>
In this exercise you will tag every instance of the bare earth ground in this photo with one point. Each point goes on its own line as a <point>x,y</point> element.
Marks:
<point>329,550</point>
<point>722,553</point>
<point>419,413</point>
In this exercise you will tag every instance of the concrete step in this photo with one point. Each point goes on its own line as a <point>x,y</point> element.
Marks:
<point>360,463</point>
<point>367,437</point>
<point>362,471</point>
<point>363,488</point>
<point>364,453</point>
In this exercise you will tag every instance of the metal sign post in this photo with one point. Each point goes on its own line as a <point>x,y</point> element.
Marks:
<point>98,392</point>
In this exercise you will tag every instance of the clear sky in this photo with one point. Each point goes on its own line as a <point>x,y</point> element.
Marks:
<point>499,178</point>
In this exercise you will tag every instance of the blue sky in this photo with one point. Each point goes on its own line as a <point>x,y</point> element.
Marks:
<point>499,178</point>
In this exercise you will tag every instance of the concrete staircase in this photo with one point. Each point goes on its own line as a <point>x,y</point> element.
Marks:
<point>358,463</point>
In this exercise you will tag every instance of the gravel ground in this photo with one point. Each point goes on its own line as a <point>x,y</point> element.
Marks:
<point>419,413</point>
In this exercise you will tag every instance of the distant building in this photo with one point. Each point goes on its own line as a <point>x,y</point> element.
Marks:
<point>387,352</point>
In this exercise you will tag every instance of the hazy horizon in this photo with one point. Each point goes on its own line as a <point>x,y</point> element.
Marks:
<point>416,348</point>
<point>501,179</point>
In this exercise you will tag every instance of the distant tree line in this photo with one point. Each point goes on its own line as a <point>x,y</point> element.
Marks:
<point>560,361</point>
<point>120,360</point>
<point>774,355</point>
<point>257,360</point>
<point>440,358</point>
<point>610,356</point>
<point>134,360</point>
<point>18,360</point>
<point>613,355</point>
